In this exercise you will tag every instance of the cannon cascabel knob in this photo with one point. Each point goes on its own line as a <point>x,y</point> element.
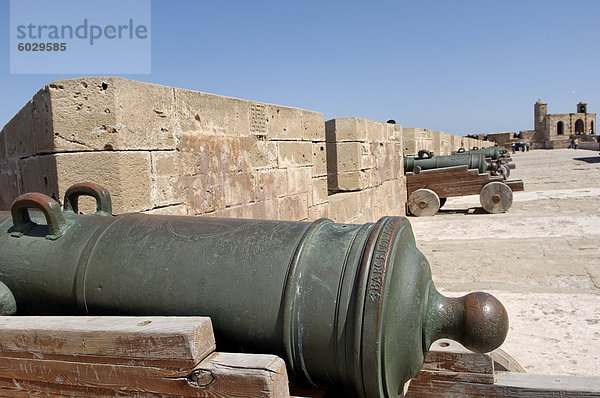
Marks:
<point>478,320</point>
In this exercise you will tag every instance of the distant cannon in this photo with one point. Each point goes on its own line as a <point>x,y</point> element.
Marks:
<point>472,161</point>
<point>427,190</point>
<point>492,152</point>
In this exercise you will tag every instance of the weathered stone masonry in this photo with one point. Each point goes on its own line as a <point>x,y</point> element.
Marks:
<point>161,149</point>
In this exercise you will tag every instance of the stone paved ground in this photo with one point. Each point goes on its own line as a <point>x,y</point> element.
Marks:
<point>541,259</point>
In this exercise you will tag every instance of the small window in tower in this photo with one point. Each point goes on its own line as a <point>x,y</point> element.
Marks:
<point>560,128</point>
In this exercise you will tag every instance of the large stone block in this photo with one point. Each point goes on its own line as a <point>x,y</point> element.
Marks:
<point>349,181</point>
<point>261,153</point>
<point>43,127</point>
<point>164,191</point>
<point>9,183</point>
<point>209,113</point>
<point>19,134</point>
<point>319,160</point>
<point>344,206</point>
<point>39,174</point>
<point>238,188</point>
<point>375,131</point>
<point>299,180</point>
<point>293,208</point>
<point>346,129</point>
<point>165,174</point>
<point>84,117</point>
<point>271,184</point>
<point>292,153</point>
<point>261,210</point>
<point>145,115</point>
<point>348,156</point>
<point>318,211</point>
<point>320,193</point>
<point>284,123</point>
<point>393,132</point>
<point>313,126</point>
<point>203,193</point>
<point>126,175</point>
<point>203,153</point>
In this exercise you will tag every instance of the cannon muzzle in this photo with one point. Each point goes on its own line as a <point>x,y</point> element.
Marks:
<point>349,306</point>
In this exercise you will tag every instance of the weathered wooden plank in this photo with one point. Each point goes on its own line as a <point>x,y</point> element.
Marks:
<point>26,388</point>
<point>450,370</point>
<point>243,375</point>
<point>450,356</point>
<point>102,376</point>
<point>504,362</point>
<point>541,387</point>
<point>426,376</point>
<point>178,339</point>
<point>219,375</point>
<point>549,382</point>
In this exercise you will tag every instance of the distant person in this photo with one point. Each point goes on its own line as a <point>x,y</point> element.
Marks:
<point>513,145</point>
<point>572,144</point>
<point>576,143</point>
<point>495,143</point>
<point>501,170</point>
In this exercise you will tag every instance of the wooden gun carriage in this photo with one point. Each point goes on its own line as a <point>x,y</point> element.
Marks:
<point>427,190</point>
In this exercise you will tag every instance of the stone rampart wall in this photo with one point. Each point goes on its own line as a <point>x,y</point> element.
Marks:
<point>167,150</point>
<point>440,143</point>
<point>161,149</point>
<point>365,170</point>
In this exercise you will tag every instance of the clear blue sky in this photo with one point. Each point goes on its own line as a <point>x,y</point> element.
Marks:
<point>455,66</point>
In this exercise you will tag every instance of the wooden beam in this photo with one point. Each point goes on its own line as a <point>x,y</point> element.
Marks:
<point>450,370</point>
<point>165,341</point>
<point>134,356</point>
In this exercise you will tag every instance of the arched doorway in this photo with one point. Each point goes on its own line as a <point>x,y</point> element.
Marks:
<point>560,128</point>
<point>579,128</point>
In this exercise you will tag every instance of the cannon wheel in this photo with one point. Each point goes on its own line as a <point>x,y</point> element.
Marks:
<point>496,197</point>
<point>442,202</point>
<point>423,202</point>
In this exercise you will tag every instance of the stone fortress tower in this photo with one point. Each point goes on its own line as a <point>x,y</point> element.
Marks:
<point>555,130</point>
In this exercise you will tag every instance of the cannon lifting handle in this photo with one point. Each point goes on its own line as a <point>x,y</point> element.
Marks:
<point>50,207</point>
<point>98,192</point>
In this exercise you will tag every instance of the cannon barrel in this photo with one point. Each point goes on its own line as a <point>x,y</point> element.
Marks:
<point>492,152</point>
<point>473,161</point>
<point>350,306</point>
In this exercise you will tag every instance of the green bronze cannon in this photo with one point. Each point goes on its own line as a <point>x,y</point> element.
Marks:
<point>473,161</point>
<point>348,306</point>
<point>492,152</point>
